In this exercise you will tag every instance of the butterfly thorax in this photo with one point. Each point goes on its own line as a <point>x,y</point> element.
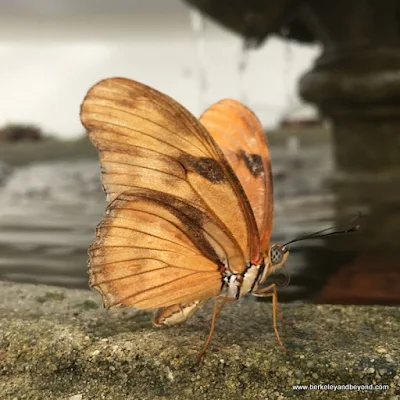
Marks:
<point>235,285</point>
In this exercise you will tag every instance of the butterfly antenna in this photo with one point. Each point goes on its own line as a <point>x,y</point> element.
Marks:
<point>322,233</point>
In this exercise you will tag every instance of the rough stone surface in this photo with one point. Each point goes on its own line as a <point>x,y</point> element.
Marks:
<point>61,344</point>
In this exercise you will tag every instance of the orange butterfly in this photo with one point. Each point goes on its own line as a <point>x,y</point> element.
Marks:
<point>190,203</point>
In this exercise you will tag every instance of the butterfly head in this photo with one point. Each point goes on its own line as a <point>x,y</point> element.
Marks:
<point>275,257</point>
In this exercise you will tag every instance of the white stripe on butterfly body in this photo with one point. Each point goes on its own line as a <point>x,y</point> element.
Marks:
<point>237,285</point>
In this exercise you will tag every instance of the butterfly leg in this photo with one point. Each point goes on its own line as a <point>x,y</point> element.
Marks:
<point>213,318</point>
<point>278,313</point>
<point>216,310</point>
<point>221,306</point>
<point>270,291</point>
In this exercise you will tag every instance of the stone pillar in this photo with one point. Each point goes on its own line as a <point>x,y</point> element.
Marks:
<point>355,83</point>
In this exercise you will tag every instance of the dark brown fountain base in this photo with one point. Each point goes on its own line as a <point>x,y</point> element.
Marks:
<point>368,279</point>
<point>355,83</point>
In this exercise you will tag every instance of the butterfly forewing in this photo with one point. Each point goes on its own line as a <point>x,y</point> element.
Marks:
<point>240,136</point>
<point>147,140</point>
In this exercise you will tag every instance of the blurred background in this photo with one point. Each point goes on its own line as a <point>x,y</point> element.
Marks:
<point>327,93</point>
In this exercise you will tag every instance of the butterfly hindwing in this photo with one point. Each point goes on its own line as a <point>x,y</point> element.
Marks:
<point>240,136</point>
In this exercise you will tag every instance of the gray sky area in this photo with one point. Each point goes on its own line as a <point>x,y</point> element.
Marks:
<point>65,7</point>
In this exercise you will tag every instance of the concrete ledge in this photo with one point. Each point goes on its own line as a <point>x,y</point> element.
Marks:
<point>61,344</point>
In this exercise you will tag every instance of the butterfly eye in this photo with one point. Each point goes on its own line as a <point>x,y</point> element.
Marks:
<point>276,254</point>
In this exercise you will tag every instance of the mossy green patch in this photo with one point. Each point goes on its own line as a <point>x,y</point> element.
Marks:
<point>50,296</point>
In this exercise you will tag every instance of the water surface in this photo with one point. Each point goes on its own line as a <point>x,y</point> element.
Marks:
<point>49,210</point>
